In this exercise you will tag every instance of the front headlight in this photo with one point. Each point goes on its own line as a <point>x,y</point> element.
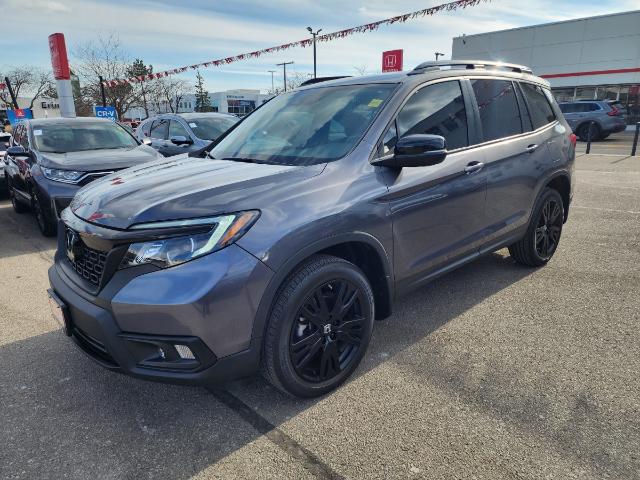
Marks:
<point>168,252</point>
<point>65,176</point>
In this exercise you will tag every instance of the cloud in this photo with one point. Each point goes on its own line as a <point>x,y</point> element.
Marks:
<point>170,34</point>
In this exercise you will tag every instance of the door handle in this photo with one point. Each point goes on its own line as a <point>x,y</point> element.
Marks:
<point>473,167</point>
<point>532,148</point>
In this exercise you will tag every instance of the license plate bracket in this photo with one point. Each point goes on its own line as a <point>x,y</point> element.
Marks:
<point>60,312</point>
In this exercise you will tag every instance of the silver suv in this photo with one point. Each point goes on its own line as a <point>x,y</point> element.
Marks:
<point>603,117</point>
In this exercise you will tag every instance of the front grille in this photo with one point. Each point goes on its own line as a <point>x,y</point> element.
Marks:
<point>87,263</point>
<point>90,177</point>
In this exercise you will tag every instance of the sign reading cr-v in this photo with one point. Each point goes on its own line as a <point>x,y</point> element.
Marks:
<point>392,61</point>
<point>106,112</point>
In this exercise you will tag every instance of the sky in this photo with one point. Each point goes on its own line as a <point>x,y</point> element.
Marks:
<point>175,33</point>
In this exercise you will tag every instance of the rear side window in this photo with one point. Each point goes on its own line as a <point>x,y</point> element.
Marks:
<point>568,107</point>
<point>499,112</point>
<point>436,109</point>
<point>159,129</point>
<point>539,106</point>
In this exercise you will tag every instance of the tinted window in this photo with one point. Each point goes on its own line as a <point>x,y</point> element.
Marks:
<point>210,128</point>
<point>527,124</point>
<point>159,129</point>
<point>389,140</point>
<point>145,128</point>
<point>539,107</point>
<point>436,109</point>
<point>499,113</point>
<point>306,127</point>
<point>62,137</point>
<point>177,130</point>
<point>592,107</point>
<point>568,107</point>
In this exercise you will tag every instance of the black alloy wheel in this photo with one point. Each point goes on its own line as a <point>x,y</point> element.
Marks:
<point>327,335</point>
<point>18,207</point>
<point>542,237</point>
<point>46,226</point>
<point>548,229</point>
<point>583,132</point>
<point>319,327</point>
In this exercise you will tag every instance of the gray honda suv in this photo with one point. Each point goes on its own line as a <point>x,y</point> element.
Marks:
<point>277,247</point>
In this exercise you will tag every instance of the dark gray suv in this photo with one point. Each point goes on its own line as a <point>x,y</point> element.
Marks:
<point>276,249</point>
<point>601,116</point>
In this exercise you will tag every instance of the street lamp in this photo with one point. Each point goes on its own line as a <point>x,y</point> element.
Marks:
<point>314,47</point>
<point>438,55</point>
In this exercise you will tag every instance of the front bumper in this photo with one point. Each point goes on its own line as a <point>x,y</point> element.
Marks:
<point>207,304</point>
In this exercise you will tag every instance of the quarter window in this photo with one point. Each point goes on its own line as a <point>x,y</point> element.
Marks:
<point>436,109</point>
<point>499,113</point>
<point>539,107</point>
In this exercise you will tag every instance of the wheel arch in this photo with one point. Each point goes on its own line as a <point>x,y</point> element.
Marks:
<point>561,183</point>
<point>360,248</point>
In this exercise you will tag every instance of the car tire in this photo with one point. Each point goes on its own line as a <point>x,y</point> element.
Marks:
<point>45,224</point>
<point>583,132</point>
<point>543,233</point>
<point>18,207</point>
<point>319,328</point>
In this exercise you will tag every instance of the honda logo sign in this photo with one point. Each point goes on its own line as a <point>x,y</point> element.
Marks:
<point>392,61</point>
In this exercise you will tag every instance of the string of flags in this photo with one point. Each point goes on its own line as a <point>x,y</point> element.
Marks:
<point>327,37</point>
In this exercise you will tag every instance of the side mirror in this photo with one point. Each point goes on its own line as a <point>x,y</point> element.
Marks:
<point>146,141</point>
<point>418,150</point>
<point>180,140</point>
<point>17,151</point>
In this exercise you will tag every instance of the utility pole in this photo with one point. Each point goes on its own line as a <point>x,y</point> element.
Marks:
<point>314,47</point>
<point>284,72</point>
<point>272,87</point>
<point>13,96</point>
<point>438,55</point>
<point>104,98</point>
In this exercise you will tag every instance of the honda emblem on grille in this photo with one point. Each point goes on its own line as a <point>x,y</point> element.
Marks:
<point>74,249</point>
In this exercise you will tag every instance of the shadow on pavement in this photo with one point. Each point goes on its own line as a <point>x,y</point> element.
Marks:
<point>62,415</point>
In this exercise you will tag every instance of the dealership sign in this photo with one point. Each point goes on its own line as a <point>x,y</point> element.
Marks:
<point>59,60</point>
<point>106,112</point>
<point>15,116</point>
<point>392,61</point>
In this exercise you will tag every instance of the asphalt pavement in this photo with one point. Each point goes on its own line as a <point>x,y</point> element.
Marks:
<point>494,371</point>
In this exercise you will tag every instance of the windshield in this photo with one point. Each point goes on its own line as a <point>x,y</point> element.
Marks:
<point>307,126</point>
<point>78,137</point>
<point>210,128</point>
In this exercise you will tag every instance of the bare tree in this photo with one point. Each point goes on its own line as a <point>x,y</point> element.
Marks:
<point>166,93</point>
<point>29,81</point>
<point>360,69</point>
<point>104,57</point>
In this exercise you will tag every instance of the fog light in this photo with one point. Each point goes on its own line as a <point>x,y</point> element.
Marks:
<point>185,352</point>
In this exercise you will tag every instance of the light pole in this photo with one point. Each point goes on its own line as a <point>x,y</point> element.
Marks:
<point>272,87</point>
<point>438,55</point>
<point>314,47</point>
<point>284,72</point>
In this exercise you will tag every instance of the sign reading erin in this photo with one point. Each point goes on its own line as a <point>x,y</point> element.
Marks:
<point>392,61</point>
<point>106,112</point>
<point>59,60</point>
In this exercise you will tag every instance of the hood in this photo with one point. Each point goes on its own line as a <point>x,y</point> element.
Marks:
<point>182,187</point>
<point>99,160</point>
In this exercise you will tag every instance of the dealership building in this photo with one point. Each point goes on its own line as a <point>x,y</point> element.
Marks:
<point>595,58</point>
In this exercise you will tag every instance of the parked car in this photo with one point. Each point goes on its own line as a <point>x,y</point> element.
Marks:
<point>5,139</point>
<point>50,159</point>
<point>176,133</point>
<point>279,246</point>
<point>601,116</point>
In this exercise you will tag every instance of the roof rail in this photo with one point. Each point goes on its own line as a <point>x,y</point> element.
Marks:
<point>471,65</point>
<point>321,79</point>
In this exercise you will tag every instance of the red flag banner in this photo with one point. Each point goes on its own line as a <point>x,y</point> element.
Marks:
<point>327,37</point>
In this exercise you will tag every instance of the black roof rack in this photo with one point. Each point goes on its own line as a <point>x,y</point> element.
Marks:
<point>470,65</point>
<point>321,79</point>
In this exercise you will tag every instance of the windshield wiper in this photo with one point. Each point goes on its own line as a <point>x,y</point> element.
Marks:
<point>247,160</point>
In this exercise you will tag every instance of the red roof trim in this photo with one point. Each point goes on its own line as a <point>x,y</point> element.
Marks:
<point>594,72</point>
